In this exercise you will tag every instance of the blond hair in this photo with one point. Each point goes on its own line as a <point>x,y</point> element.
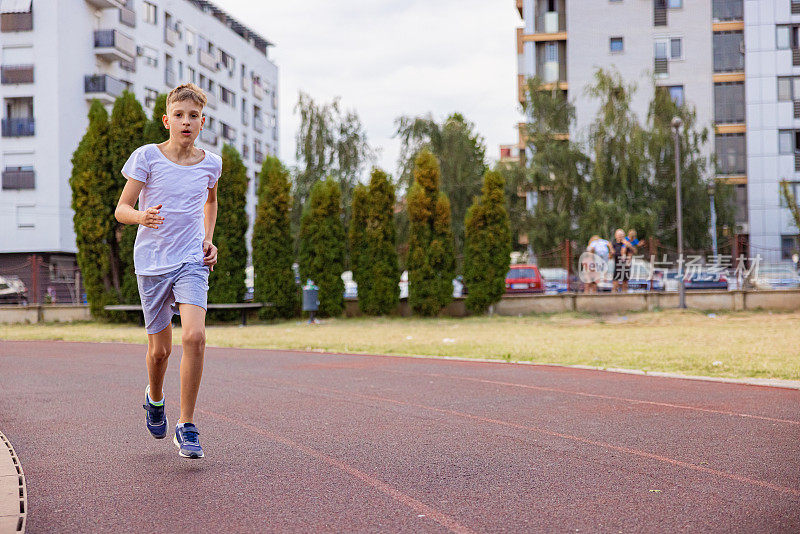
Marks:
<point>187,91</point>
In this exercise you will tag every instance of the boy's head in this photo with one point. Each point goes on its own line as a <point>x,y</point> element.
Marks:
<point>184,118</point>
<point>631,234</point>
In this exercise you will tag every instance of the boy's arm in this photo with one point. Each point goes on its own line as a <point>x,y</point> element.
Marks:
<point>127,214</point>
<point>209,221</point>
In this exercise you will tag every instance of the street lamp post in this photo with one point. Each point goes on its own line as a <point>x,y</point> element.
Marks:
<point>711,190</point>
<point>676,126</point>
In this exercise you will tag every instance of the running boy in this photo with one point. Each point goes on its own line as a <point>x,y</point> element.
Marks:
<point>176,186</point>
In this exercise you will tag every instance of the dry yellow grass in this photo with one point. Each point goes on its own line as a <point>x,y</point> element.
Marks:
<point>751,344</point>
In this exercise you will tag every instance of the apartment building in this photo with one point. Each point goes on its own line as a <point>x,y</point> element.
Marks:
<point>693,49</point>
<point>58,55</point>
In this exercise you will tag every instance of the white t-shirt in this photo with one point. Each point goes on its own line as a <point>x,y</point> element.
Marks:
<point>600,247</point>
<point>182,190</point>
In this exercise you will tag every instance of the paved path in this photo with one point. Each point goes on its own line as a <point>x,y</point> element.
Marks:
<point>319,442</point>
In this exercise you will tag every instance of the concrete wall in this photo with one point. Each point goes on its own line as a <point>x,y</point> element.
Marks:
<point>53,313</point>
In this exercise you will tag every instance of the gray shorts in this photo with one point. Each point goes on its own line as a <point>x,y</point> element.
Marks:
<point>161,293</point>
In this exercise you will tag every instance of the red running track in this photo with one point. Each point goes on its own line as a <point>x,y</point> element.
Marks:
<point>327,442</point>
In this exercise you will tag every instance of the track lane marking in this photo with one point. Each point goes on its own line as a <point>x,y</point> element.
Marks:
<point>416,505</point>
<point>599,396</point>
<point>602,444</point>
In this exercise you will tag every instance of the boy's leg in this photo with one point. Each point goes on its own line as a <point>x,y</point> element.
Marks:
<point>159,347</point>
<point>193,324</point>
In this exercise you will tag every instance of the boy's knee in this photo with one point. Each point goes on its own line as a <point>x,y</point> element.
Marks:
<point>195,338</point>
<point>159,353</point>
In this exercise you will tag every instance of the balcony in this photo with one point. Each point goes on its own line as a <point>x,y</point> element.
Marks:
<point>797,161</point>
<point>207,60</point>
<point>16,22</point>
<point>16,178</point>
<point>170,35</point>
<point>551,22</point>
<point>209,136</point>
<point>258,157</point>
<point>18,127</point>
<point>727,10</point>
<point>112,45</point>
<point>103,87</point>
<point>659,12</point>
<point>127,17</point>
<point>211,98</point>
<point>105,4</point>
<point>258,91</point>
<point>169,78</point>
<point>795,7</point>
<point>13,74</point>
<point>796,57</point>
<point>796,109</point>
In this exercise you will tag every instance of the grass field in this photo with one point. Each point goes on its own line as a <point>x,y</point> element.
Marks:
<point>747,344</point>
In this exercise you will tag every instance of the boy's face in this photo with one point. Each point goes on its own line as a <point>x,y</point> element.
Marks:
<point>184,120</point>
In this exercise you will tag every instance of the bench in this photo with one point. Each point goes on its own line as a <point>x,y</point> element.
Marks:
<point>243,306</point>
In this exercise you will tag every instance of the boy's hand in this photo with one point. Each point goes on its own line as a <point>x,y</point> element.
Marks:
<point>151,218</point>
<point>209,254</point>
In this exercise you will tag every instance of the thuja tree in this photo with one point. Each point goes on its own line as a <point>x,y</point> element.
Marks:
<point>378,290</point>
<point>430,254</point>
<point>226,282</point>
<point>356,237</point>
<point>93,201</point>
<point>273,251</point>
<point>323,245</point>
<point>154,131</point>
<point>488,245</point>
<point>126,134</point>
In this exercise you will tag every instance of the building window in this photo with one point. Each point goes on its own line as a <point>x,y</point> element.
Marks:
<point>192,75</point>
<point>786,37</point>
<point>728,10</point>
<point>729,102</point>
<point>731,155</point>
<point>728,51</point>
<point>149,55</point>
<point>150,13</point>
<point>150,96</point>
<point>26,216</point>
<point>676,48</point>
<point>790,245</point>
<point>615,44</point>
<point>551,52</point>
<point>674,4</point>
<point>676,94</point>
<point>788,142</point>
<point>227,96</point>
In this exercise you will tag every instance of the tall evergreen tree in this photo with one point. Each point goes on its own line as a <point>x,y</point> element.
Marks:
<point>461,153</point>
<point>359,259</point>
<point>226,283</point>
<point>430,256</point>
<point>93,202</point>
<point>488,246</point>
<point>379,272</point>
<point>323,245</point>
<point>126,134</point>
<point>273,252</point>
<point>154,131</point>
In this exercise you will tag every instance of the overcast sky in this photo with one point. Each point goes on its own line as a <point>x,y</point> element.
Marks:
<point>387,58</point>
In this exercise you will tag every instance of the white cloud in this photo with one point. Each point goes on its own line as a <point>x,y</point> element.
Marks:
<point>387,58</point>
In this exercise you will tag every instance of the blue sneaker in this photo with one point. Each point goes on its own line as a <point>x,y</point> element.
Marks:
<point>187,440</point>
<point>156,419</point>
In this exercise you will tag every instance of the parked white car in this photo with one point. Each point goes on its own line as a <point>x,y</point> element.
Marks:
<point>775,276</point>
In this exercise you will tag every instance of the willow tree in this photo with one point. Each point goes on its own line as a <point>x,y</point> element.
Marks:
<point>462,157</point>
<point>557,167</point>
<point>431,263</point>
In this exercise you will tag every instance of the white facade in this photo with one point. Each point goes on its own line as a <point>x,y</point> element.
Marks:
<point>164,45</point>
<point>766,116</point>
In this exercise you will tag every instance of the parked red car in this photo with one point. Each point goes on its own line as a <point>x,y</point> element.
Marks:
<point>524,279</point>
